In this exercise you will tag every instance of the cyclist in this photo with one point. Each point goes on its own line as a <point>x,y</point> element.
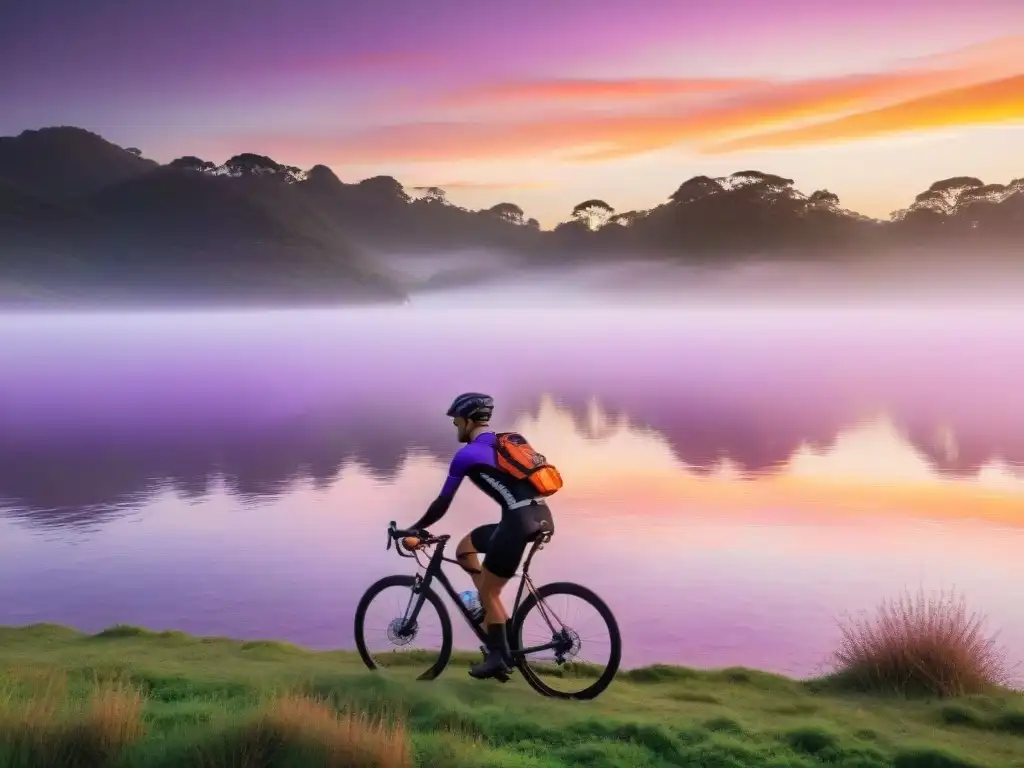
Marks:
<point>524,514</point>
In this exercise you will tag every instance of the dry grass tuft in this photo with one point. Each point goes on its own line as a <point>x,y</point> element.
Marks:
<point>49,729</point>
<point>347,739</point>
<point>41,726</point>
<point>921,645</point>
<point>113,718</point>
<point>295,726</point>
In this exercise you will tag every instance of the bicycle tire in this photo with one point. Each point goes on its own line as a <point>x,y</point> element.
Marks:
<point>576,590</point>
<point>404,580</point>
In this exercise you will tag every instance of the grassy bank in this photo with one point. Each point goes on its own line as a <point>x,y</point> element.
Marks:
<point>128,697</point>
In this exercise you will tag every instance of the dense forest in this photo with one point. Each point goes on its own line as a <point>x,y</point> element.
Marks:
<point>81,216</point>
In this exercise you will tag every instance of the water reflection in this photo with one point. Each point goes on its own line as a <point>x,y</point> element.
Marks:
<point>721,569</point>
<point>755,474</point>
<point>61,476</point>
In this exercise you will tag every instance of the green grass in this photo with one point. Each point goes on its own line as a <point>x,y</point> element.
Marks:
<point>130,697</point>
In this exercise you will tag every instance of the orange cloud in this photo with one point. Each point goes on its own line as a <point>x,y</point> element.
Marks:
<point>988,103</point>
<point>586,136</point>
<point>562,90</point>
<point>957,92</point>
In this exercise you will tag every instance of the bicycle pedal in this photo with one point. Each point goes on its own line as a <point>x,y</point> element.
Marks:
<point>501,677</point>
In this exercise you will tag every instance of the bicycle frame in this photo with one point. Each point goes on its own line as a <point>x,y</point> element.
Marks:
<point>434,570</point>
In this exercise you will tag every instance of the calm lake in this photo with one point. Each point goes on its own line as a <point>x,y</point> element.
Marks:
<point>736,478</point>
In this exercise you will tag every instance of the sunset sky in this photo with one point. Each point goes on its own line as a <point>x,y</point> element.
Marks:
<point>542,103</point>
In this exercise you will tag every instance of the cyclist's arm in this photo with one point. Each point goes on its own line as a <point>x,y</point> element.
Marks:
<point>439,506</point>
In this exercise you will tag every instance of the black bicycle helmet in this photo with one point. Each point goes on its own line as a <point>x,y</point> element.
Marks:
<point>474,406</point>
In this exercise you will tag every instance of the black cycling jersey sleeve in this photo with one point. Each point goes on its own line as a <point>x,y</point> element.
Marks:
<point>437,509</point>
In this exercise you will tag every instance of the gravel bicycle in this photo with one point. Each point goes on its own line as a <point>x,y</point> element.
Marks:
<point>416,604</point>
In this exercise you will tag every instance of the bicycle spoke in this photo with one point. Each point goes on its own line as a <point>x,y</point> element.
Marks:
<point>392,640</point>
<point>569,662</point>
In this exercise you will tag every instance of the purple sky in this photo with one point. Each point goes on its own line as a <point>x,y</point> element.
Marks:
<point>317,81</point>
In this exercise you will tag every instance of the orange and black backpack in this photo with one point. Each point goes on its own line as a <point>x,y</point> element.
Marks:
<point>519,459</point>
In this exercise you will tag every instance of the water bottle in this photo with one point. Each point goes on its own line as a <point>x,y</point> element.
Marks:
<point>471,600</point>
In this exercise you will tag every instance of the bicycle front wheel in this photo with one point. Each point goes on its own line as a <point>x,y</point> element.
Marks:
<point>388,636</point>
<point>584,645</point>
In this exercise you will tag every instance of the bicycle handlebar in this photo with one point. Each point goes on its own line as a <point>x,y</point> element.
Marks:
<point>401,533</point>
<point>398,533</point>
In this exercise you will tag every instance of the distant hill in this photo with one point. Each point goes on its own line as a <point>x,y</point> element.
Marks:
<point>112,226</point>
<point>242,230</point>
<point>18,207</point>
<point>82,219</point>
<point>66,163</point>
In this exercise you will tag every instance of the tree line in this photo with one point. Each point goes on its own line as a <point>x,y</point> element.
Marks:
<point>746,210</point>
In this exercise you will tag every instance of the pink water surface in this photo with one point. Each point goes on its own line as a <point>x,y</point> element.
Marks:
<point>233,474</point>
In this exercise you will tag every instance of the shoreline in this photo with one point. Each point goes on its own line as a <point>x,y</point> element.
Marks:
<point>169,699</point>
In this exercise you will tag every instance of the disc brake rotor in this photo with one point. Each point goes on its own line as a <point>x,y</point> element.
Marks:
<point>400,632</point>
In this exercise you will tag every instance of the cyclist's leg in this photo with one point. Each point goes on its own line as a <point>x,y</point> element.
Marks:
<point>505,552</point>
<point>499,655</point>
<point>474,542</point>
<point>499,565</point>
<point>491,585</point>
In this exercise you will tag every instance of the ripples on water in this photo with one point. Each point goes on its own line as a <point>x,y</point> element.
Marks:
<point>755,473</point>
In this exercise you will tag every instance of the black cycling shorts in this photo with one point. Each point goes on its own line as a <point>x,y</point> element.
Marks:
<point>503,544</point>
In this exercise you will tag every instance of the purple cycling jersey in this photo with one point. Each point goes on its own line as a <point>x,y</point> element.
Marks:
<point>478,460</point>
<point>480,452</point>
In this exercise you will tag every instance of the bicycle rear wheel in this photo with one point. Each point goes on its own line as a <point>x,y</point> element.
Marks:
<point>387,639</point>
<point>572,617</point>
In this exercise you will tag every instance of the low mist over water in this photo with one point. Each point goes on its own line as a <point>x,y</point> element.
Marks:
<point>893,278</point>
<point>756,469</point>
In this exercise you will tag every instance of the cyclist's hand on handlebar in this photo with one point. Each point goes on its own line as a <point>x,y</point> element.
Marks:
<point>412,543</point>
<point>410,539</point>
<point>414,538</point>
